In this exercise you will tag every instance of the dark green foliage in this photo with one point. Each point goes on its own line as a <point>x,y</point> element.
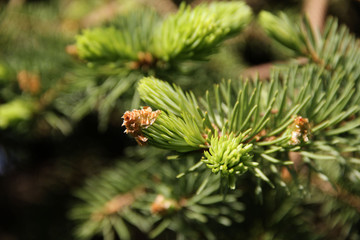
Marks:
<point>139,194</point>
<point>34,64</point>
<point>190,34</point>
<point>121,41</point>
<point>136,44</point>
<point>300,109</point>
<point>227,169</point>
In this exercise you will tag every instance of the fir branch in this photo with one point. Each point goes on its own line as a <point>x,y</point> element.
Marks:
<point>270,131</point>
<point>172,99</point>
<point>195,202</point>
<point>110,202</point>
<point>195,33</point>
<point>106,203</point>
<point>332,49</point>
<point>172,132</point>
<point>281,29</point>
<point>120,42</point>
<point>139,38</point>
<point>314,100</point>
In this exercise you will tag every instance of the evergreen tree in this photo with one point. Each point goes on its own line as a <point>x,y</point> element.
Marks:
<point>244,158</point>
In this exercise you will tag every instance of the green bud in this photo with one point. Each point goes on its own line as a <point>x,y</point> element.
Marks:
<point>228,156</point>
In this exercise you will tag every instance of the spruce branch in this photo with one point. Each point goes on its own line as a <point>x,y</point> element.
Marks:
<point>281,29</point>
<point>185,132</point>
<point>181,134</point>
<point>195,202</point>
<point>121,42</point>
<point>195,33</point>
<point>143,195</point>
<point>136,44</point>
<point>171,98</point>
<point>334,48</point>
<point>256,113</point>
<point>106,203</point>
<point>140,39</point>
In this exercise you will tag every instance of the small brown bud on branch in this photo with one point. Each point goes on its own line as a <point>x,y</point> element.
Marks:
<point>136,120</point>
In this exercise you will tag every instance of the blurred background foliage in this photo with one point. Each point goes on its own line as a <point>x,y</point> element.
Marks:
<point>65,119</point>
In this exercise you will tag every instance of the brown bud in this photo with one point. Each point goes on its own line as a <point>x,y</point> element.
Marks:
<point>28,82</point>
<point>162,206</point>
<point>117,204</point>
<point>136,120</point>
<point>300,131</point>
<point>72,50</point>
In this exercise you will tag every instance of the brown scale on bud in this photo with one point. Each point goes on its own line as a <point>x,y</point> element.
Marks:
<point>145,62</point>
<point>300,131</point>
<point>72,50</point>
<point>136,120</point>
<point>117,204</point>
<point>28,82</point>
